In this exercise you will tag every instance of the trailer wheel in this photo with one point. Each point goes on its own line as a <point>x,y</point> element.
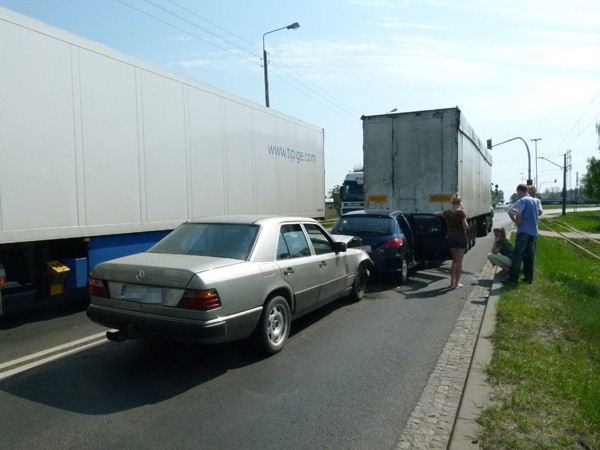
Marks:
<point>471,234</point>
<point>483,225</point>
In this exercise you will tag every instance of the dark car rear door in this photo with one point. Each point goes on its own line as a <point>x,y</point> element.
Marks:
<point>429,237</point>
<point>406,228</point>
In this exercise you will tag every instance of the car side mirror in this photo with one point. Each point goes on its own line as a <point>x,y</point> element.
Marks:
<point>339,247</point>
<point>355,242</point>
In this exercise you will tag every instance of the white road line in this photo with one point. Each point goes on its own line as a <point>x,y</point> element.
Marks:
<point>18,365</point>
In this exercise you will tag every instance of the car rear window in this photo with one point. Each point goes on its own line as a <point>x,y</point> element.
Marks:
<point>209,239</point>
<point>364,226</point>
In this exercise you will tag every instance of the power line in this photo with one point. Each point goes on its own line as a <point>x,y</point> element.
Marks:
<point>583,129</point>
<point>577,123</point>
<point>290,76</point>
<point>339,111</point>
<point>321,92</point>
<point>315,89</point>
<point>195,25</point>
<point>181,29</point>
<point>213,24</point>
<point>336,106</point>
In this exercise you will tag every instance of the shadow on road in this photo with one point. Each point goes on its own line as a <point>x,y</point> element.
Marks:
<point>113,377</point>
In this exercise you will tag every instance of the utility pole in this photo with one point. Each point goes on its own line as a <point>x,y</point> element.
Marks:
<point>564,192</point>
<point>564,205</point>
<point>292,26</point>
<point>576,190</point>
<point>536,171</point>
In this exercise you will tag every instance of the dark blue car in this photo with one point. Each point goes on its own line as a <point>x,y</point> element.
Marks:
<point>394,240</point>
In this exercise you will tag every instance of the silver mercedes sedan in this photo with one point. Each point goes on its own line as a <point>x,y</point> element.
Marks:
<point>227,278</point>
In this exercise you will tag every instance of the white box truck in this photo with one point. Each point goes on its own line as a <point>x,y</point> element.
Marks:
<point>351,190</point>
<point>415,161</point>
<point>102,154</point>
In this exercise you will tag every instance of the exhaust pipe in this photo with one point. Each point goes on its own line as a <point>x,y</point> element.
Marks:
<point>118,336</point>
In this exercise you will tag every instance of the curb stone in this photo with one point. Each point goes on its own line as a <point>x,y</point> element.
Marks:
<point>431,424</point>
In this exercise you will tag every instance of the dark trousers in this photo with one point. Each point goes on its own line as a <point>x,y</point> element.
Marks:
<point>524,252</point>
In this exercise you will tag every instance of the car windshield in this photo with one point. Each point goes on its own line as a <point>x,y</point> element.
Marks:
<point>352,191</point>
<point>209,239</point>
<point>364,226</point>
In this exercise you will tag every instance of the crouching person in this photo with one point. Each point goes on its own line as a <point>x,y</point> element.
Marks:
<point>501,251</point>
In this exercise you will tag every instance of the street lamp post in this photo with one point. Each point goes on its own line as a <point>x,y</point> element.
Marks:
<point>292,26</point>
<point>536,158</point>
<point>490,146</point>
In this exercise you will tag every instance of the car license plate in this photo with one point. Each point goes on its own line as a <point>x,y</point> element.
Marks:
<point>144,294</point>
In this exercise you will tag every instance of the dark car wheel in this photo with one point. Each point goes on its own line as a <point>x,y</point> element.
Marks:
<point>404,271</point>
<point>360,284</point>
<point>274,326</point>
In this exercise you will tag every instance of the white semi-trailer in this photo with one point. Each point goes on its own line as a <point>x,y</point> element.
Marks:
<point>101,154</point>
<point>415,161</point>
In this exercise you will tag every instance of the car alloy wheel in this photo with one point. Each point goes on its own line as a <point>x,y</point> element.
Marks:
<point>274,326</point>
<point>360,283</point>
<point>404,271</point>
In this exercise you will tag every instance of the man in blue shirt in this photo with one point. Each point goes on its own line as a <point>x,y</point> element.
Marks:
<point>525,215</point>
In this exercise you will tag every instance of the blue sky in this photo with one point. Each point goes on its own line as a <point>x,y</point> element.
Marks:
<point>527,69</point>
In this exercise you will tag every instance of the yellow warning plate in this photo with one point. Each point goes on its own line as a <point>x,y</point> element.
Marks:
<point>377,198</point>
<point>440,198</point>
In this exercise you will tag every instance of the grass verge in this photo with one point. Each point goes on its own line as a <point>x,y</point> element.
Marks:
<point>545,371</point>
<point>587,221</point>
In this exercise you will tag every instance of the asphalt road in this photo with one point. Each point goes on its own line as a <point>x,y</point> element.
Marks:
<point>349,377</point>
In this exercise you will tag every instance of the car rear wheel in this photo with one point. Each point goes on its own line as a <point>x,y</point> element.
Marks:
<point>360,283</point>
<point>273,328</point>
<point>404,271</point>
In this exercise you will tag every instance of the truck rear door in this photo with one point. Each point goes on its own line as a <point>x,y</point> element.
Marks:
<point>430,237</point>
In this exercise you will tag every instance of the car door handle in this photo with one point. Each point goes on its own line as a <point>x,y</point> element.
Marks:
<point>322,264</point>
<point>288,271</point>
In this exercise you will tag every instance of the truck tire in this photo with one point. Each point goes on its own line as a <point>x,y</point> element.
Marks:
<point>472,234</point>
<point>482,226</point>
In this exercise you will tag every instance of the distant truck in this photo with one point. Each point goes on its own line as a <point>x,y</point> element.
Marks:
<point>103,154</point>
<point>351,192</point>
<point>415,161</point>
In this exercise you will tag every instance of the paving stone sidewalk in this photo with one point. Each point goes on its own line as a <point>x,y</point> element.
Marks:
<point>432,421</point>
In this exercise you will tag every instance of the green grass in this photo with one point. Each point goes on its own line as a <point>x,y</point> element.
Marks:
<point>545,371</point>
<point>587,221</point>
<point>569,205</point>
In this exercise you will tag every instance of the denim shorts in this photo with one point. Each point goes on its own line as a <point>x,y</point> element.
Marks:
<point>457,242</point>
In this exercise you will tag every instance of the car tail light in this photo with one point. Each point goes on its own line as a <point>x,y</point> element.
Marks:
<point>2,282</point>
<point>97,288</point>
<point>201,300</point>
<point>393,244</point>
